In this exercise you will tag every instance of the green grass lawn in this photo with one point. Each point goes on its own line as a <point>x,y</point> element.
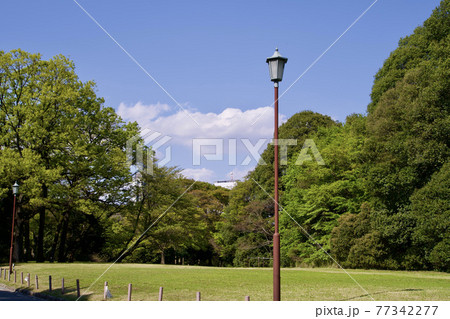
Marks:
<point>182,282</point>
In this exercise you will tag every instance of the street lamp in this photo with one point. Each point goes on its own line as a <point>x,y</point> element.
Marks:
<point>276,67</point>
<point>15,189</point>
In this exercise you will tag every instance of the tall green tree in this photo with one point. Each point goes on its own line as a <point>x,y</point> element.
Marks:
<point>409,122</point>
<point>316,195</point>
<point>63,146</point>
<point>405,153</point>
<point>246,229</point>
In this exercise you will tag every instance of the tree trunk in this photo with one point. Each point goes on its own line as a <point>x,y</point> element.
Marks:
<point>55,241</point>
<point>62,242</point>
<point>26,235</point>
<point>162,257</point>
<point>40,239</point>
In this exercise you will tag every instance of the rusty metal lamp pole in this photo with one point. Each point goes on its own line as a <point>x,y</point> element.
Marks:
<point>276,68</point>
<point>15,193</point>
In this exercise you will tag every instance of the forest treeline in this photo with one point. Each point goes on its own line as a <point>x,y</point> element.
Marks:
<point>382,199</point>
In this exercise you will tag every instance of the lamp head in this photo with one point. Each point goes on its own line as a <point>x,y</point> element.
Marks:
<point>276,66</point>
<point>15,189</point>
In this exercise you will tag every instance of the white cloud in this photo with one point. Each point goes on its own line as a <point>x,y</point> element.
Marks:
<point>141,112</point>
<point>202,174</point>
<point>230,123</point>
<point>239,174</point>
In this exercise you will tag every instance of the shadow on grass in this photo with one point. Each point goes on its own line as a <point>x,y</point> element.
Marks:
<point>55,294</point>
<point>70,294</point>
<point>381,292</point>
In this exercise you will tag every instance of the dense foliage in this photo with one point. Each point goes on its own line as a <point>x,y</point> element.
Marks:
<point>381,199</point>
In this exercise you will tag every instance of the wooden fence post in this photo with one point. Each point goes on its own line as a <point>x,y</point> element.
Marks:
<point>21,277</point>
<point>198,296</point>
<point>129,291</point>
<point>29,279</point>
<point>36,282</point>
<point>160,298</point>
<point>78,288</point>
<point>50,283</point>
<point>247,298</point>
<point>62,286</point>
<point>9,275</point>
<point>1,272</point>
<point>105,288</point>
<point>4,275</point>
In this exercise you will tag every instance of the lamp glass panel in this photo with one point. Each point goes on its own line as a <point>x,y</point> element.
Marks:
<point>280,70</point>
<point>273,66</point>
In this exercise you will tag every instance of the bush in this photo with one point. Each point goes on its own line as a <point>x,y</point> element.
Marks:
<point>440,255</point>
<point>367,252</point>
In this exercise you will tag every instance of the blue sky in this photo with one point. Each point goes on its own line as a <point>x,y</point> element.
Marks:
<point>210,57</point>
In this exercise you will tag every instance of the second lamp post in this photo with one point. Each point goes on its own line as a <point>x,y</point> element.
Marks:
<point>276,67</point>
<point>15,192</point>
